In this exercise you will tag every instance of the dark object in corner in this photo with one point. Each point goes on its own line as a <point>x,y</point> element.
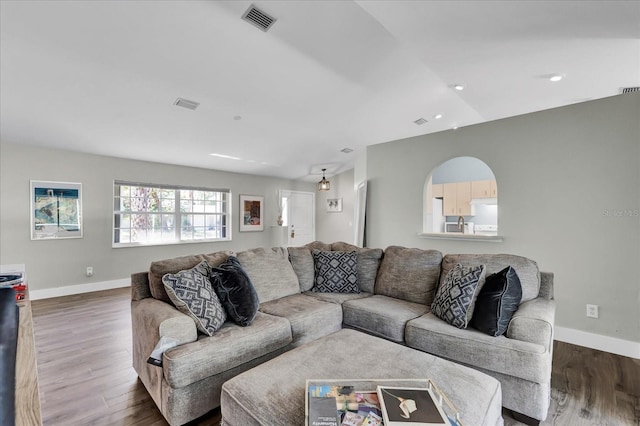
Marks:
<point>9,320</point>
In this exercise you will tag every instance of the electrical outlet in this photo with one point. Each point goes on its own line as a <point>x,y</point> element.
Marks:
<point>592,311</point>
<point>89,271</point>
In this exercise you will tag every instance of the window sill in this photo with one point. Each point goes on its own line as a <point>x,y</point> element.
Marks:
<point>168,243</point>
<point>462,237</point>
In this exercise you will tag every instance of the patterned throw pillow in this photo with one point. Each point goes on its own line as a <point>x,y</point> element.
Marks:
<point>456,297</point>
<point>191,292</point>
<point>335,271</point>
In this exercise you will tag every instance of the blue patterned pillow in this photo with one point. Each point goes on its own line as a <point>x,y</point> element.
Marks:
<point>191,292</point>
<point>456,297</point>
<point>335,271</point>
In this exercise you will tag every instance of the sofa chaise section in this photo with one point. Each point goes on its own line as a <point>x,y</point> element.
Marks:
<point>520,359</point>
<point>188,383</point>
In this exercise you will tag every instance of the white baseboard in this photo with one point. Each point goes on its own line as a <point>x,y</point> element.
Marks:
<point>598,341</point>
<point>78,289</point>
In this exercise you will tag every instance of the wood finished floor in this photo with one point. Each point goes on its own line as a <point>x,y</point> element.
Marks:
<point>83,346</point>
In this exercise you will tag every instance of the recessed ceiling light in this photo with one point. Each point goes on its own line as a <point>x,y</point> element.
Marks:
<point>556,77</point>
<point>458,86</point>
<point>346,150</point>
<point>437,116</point>
<point>420,121</point>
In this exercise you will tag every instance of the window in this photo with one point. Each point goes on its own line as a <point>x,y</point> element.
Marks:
<point>146,214</point>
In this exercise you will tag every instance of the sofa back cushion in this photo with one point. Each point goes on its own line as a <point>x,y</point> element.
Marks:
<point>302,263</point>
<point>409,274</point>
<point>270,272</point>
<point>172,266</point>
<point>526,269</point>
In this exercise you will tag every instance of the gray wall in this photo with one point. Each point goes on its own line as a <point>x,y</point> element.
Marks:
<point>332,227</point>
<point>569,182</point>
<point>56,263</point>
<point>462,169</point>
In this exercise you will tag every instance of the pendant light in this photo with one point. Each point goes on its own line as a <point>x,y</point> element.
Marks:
<point>324,184</point>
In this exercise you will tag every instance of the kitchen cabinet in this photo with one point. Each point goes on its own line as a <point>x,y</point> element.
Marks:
<point>437,190</point>
<point>484,189</point>
<point>456,199</point>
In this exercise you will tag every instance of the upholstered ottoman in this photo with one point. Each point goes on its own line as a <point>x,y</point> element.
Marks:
<point>273,393</point>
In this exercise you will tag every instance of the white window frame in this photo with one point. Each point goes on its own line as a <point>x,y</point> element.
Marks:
<point>171,221</point>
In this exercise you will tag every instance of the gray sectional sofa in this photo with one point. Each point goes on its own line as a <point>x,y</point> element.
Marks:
<point>397,287</point>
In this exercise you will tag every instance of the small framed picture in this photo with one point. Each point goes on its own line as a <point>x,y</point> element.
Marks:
<point>251,213</point>
<point>56,210</point>
<point>334,205</point>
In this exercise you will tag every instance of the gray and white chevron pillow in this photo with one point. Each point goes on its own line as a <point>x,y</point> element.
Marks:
<point>335,271</point>
<point>456,297</point>
<point>191,292</point>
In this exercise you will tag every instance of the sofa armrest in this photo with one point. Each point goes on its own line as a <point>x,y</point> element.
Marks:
<point>546,285</point>
<point>153,319</point>
<point>140,286</point>
<point>533,322</point>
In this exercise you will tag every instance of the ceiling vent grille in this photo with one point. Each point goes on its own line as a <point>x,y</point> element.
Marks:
<point>624,90</point>
<point>185,103</point>
<point>255,16</point>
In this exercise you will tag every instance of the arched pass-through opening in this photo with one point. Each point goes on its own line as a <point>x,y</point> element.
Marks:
<point>461,200</point>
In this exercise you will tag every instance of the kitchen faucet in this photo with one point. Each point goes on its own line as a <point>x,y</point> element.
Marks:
<point>461,224</point>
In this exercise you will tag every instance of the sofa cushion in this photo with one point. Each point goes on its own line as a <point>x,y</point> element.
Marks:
<point>302,263</point>
<point>515,358</point>
<point>191,292</point>
<point>171,266</point>
<point>236,291</point>
<point>338,298</point>
<point>497,301</point>
<point>409,274</point>
<point>526,269</point>
<point>335,271</point>
<point>270,271</point>
<point>310,318</point>
<point>318,245</point>
<point>228,348</point>
<point>381,315</point>
<point>457,296</point>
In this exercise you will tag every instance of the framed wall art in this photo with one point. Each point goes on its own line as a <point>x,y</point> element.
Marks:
<point>56,210</point>
<point>334,205</point>
<point>251,213</point>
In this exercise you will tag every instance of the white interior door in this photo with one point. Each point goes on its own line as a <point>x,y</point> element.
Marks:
<point>300,217</point>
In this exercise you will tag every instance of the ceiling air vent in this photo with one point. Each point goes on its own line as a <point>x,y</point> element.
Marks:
<point>255,16</point>
<point>624,90</point>
<point>185,103</point>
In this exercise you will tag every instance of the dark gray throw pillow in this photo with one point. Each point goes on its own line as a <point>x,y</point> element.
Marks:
<point>456,296</point>
<point>191,292</point>
<point>236,291</point>
<point>335,271</point>
<point>498,300</point>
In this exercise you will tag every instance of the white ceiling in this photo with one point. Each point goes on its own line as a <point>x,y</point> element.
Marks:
<point>102,76</point>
